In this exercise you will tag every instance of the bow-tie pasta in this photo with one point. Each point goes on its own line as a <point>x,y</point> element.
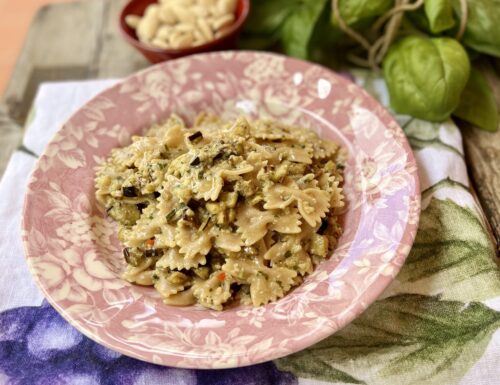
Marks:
<point>222,212</point>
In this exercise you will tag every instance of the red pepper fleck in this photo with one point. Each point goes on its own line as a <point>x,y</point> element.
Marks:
<point>221,277</point>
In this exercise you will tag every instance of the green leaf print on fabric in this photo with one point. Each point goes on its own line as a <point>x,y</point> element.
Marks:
<point>422,134</point>
<point>406,339</point>
<point>452,256</point>
<point>444,183</point>
<point>31,116</point>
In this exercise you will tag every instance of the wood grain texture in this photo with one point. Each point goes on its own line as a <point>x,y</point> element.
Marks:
<point>10,137</point>
<point>60,36</point>
<point>482,151</point>
<point>69,41</point>
<point>115,58</point>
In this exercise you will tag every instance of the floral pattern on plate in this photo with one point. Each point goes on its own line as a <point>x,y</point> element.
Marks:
<point>74,255</point>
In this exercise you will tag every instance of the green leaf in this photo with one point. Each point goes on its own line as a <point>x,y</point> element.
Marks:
<point>477,103</point>
<point>266,17</point>
<point>440,15</point>
<point>482,32</point>
<point>299,27</point>
<point>418,20</point>
<point>258,42</point>
<point>357,11</point>
<point>406,339</point>
<point>425,76</point>
<point>452,256</point>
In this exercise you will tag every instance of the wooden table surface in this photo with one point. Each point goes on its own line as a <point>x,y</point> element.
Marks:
<point>80,40</point>
<point>15,19</point>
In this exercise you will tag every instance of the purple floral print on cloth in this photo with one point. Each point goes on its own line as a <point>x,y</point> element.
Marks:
<point>38,347</point>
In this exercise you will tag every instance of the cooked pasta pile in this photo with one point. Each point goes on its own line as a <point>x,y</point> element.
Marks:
<point>223,211</point>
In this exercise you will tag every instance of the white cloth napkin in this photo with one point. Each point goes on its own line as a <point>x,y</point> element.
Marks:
<point>53,105</point>
<point>13,269</point>
<point>443,175</point>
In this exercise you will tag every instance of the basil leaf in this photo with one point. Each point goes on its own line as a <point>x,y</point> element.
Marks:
<point>440,15</point>
<point>417,19</point>
<point>477,104</point>
<point>267,16</point>
<point>325,41</point>
<point>299,27</point>
<point>355,11</point>
<point>482,32</point>
<point>425,76</point>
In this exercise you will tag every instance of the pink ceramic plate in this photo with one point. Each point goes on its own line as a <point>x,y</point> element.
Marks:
<point>75,257</point>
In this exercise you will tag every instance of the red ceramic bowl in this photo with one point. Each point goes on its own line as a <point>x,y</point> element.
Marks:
<point>156,55</point>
